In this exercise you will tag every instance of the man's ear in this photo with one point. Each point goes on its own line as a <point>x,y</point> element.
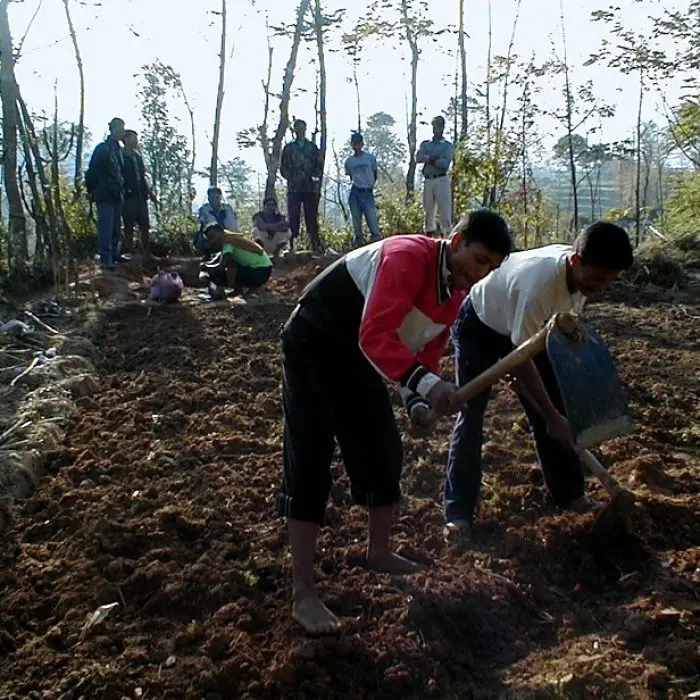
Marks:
<point>456,241</point>
<point>575,259</point>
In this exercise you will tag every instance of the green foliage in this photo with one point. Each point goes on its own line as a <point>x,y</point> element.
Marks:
<point>683,209</point>
<point>338,240</point>
<point>164,147</point>
<point>381,140</point>
<point>235,175</point>
<point>398,216</point>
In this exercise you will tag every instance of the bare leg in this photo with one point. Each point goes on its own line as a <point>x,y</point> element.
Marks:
<point>307,608</point>
<point>379,555</point>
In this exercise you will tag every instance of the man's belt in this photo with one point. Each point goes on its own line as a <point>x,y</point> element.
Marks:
<point>434,177</point>
<point>363,190</point>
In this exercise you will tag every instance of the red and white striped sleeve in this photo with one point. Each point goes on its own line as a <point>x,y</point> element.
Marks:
<point>397,283</point>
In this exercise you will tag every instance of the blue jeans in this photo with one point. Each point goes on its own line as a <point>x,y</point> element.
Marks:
<point>477,347</point>
<point>363,203</point>
<point>109,218</point>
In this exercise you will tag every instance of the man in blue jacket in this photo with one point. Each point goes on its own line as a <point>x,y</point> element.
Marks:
<point>104,181</point>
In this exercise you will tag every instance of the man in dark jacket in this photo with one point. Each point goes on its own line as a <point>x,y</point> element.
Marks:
<point>302,168</point>
<point>104,181</point>
<point>137,192</point>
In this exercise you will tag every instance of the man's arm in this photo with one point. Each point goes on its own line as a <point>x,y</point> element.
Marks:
<point>531,313</point>
<point>374,168</point>
<point>443,163</point>
<point>318,163</point>
<point>557,424</point>
<point>421,155</point>
<point>348,172</point>
<point>285,169</point>
<point>231,220</point>
<point>240,241</point>
<point>396,286</point>
<point>92,174</point>
<point>259,223</point>
<point>206,216</point>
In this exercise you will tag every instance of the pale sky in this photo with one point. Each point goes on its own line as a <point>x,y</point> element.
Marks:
<point>119,36</point>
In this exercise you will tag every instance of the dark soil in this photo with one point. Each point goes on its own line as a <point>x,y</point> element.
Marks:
<point>161,500</point>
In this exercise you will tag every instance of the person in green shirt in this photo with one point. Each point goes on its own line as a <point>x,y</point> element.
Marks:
<point>238,263</point>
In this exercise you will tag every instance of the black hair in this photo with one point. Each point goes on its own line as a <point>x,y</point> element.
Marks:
<point>214,190</point>
<point>130,132</point>
<point>270,198</point>
<point>488,228</point>
<point>607,245</point>
<point>438,120</point>
<point>210,228</point>
<point>298,122</point>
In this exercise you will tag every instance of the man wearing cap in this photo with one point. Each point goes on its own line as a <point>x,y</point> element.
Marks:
<point>104,181</point>
<point>436,154</point>
<point>361,168</point>
<point>301,166</point>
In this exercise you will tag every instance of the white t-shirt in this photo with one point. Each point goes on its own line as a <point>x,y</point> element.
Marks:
<point>518,298</point>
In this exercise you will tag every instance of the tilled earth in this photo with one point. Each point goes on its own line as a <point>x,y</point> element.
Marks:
<point>161,501</point>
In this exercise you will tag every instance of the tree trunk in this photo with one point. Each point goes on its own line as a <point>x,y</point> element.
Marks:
<point>464,110</point>
<point>17,238</point>
<point>263,137</point>
<point>193,159</point>
<point>523,156</point>
<point>339,189</point>
<point>356,82</point>
<point>638,182</point>
<point>278,138</point>
<point>487,191</point>
<point>569,126</point>
<point>318,15</point>
<point>78,176</point>
<point>32,142</point>
<point>63,228</point>
<point>37,211</point>
<point>213,168</point>
<point>494,202</point>
<point>412,40</point>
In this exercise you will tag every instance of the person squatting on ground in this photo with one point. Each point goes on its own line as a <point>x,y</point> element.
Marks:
<point>502,311</point>
<point>215,211</point>
<point>436,154</point>
<point>361,168</point>
<point>104,182</point>
<point>301,166</point>
<point>382,312</point>
<point>271,228</point>
<point>137,192</point>
<point>238,262</point>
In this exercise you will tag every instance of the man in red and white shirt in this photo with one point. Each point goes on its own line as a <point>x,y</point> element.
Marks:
<point>381,313</point>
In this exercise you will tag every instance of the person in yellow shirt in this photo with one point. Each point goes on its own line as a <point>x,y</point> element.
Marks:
<point>238,263</point>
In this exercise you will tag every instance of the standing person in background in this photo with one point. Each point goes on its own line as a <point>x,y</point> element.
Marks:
<point>104,181</point>
<point>137,192</point>
<point>436,154</point>
<point>301,167</point>
<point>361,168</point>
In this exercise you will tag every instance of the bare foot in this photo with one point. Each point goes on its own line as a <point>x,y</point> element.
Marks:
<point>314,616</point>
<point>390,563</point>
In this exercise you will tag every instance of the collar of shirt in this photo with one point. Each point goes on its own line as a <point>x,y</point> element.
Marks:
<point>443,277</point>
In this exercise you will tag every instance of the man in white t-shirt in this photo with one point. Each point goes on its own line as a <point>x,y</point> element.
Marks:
<point>503,310</point>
